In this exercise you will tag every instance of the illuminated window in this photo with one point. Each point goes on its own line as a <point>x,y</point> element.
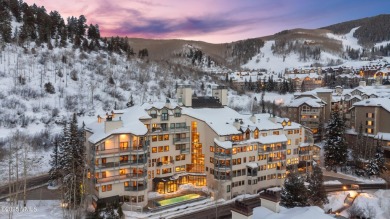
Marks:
<point>154,138</point>
<point>166,148</point>
<point>109,187</point>
<point>289,151</point>
<point>239,161</point>
<point>370,123</point>
<point>104,188</point>
<point>256,134</point>
<point>126,183</point>
<point>166,137</point>
<point>122,172</point>
<point>160,137</point>
<point>154,149</point>
<point>250,148</point>
<point>369,131</point>
<point>275,132</point>
<point>211,148</point>
<point>124,145</point>
<point>160,149</point>
<point>289,141</point>
<point>370,115</point>
<point>264,134</point>
<point>290,132</point>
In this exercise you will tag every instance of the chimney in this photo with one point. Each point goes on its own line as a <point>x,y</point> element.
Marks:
<point>168,103</point>
<point>236,124</point>
<point>253,118</point>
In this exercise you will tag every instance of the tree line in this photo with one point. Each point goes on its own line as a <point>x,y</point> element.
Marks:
<point>40,26</point>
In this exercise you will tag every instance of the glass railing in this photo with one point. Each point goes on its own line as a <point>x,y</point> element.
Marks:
<point>181,140</point>
<point>136,188</point>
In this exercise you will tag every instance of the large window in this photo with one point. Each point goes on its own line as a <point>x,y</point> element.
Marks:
<point>370,115</point>
<point>164,115</point>
<point>153,113</point>
<point>177,112</point>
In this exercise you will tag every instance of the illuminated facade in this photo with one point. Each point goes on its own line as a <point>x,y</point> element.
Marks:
<point>157,147</point>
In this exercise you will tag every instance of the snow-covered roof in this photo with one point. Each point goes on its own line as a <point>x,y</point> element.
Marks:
<point>291,213</point>
<point>130,121</point>
<point>273,139</point>
<point>313,102</point>
<point>224,144</point>
<point>383,136</point>
<point>376,102</point>
<point>219,119</point>
<point>252,165</point>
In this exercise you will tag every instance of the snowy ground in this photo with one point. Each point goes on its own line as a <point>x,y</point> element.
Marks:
<point>35,209</point>
<point>41,166</point>
<point>378,201</point>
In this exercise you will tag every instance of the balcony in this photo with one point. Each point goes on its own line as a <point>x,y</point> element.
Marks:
<point>181,140</point>
<point>310,113</point>
<point>121,164</point>
<point>121,177</point>
<point>222,155</point>
<point>165,163</point>
<point>180,129</point>
<point>159,130</point>
<point>272,149</point>
<point>136,188</point>
<point>185,151</point>
<point>310,119</point>
<point>275,159</point>
<point>304,152</point>
<point>139,148</point>
<point>222,167</point>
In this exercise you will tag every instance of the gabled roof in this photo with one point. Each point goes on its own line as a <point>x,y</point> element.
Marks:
<point>376,102</point>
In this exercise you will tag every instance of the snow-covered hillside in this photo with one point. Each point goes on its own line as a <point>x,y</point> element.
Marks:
<point>269,60</point>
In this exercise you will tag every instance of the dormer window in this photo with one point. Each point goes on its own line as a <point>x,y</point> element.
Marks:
<point>164,115</point>
<point>153,113</point>
<point>177,112</point>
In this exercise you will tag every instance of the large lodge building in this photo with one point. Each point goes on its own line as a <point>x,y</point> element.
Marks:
<point>199,140</point>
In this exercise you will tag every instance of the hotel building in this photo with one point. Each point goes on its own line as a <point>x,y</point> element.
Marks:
<point>156,147</point>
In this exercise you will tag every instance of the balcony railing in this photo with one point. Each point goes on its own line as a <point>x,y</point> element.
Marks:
<point>180,129</point>
<point>222,155</point>
<point>304,152</point>
<point>310,112</point>
<point>121,164</point>
<point>181,140</point>
<point>275,159</point>
<point>271,149</point>
<point>185,151</point>
<point>121,177</point>
<point>123,150</point>
<point>136,188</point>
<point>165,163</point>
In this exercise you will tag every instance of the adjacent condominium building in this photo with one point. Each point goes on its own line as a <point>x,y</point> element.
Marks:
<point>199,140</point>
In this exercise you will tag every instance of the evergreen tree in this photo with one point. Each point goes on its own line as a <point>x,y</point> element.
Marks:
<point>54,171</point>
<point>335,145</point>
<point>317,193</point>
<point>5,24</point>
<point>376,164</point>
<point>294,192</point>
<point>262,103</point>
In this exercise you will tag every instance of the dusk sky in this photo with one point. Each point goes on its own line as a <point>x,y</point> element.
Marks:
<point>215,21</point>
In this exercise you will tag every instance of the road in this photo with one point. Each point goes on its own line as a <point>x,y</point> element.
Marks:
<point>31,182</point>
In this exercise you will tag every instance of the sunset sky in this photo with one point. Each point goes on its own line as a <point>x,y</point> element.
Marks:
<point>215,21</point>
